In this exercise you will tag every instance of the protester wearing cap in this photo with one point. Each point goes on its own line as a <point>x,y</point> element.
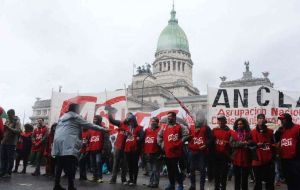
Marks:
<point>221,136</point>
<point>263,165</point>
<point>289,151</point>
<point>199,140</point>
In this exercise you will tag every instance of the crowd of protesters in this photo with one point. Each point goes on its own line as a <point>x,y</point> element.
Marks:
<point>268,157</point>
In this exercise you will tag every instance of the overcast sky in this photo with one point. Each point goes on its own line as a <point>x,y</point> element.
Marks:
<point>90,45</point>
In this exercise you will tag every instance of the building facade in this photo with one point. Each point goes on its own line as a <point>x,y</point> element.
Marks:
<point>171,73</point>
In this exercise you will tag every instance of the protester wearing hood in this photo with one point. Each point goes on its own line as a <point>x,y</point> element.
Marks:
<point>129,141</point>
<point>12,130</point>
<point>199,140</point>
<point>221,137</point>
<point>241,157</point>
<point>263,165</point>
<point>171,138</point>
<point>39,141</point>
<point>152,152</point>
<point>67,144</point>
<point>290,151</point>
<point>133,146</point>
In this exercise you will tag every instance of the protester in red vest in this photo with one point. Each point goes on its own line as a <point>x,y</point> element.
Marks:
<point>95,149</point>
<point>171,138</point>
<point>152,152</point>
<point>84,156</point>
<point>263,165</point>
<point>133,146</point>
<point>290,151</point>
<point>222,150</point>
<point>39,140</point>
<point>119,145</point>
<point>23,148</point>
<point>50,162</point>
<point>199,140</point>
<point>241,157</point>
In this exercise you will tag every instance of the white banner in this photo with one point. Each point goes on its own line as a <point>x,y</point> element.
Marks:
<point>90,105</point>
<point>247,102</point>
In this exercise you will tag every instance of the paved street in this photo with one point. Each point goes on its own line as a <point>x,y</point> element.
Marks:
<point>28,182</point>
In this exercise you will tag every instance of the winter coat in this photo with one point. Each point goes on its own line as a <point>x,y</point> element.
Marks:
<point>12,131</point>
<point>68,137</point>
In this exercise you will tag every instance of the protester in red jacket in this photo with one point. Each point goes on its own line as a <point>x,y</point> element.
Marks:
<point>199,141</point>
<point>222,150</point>
<point>39,139</point>
<point>263,165</point>
<point>50,163</point>
<point>23,148</point>
<point>290,151</point>
<point>241,157</point>
<point>171,138</point>
<point>133,146</point>
<point>152,152</point>
<point>119,145</point>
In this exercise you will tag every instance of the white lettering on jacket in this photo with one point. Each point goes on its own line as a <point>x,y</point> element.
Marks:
<point>220,142</point>
<point>149,140</point>
<point>286,142</point>
<point>95,138</point>
<point>173,137</point>
<point>198,140</point>
<point>39,136</point>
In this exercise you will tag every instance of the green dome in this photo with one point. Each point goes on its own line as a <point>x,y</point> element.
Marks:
<point>172,37</point>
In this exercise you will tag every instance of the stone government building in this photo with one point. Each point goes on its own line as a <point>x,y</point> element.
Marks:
<point>171,71</point>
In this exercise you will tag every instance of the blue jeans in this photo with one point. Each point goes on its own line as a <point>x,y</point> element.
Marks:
<point>197,162</point>
<point>96,164</point>
<point>7,158</point>
<point>153,164</point>
<point>83,165</point>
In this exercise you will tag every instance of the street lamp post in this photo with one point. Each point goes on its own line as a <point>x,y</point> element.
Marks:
<point>143,90</point>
